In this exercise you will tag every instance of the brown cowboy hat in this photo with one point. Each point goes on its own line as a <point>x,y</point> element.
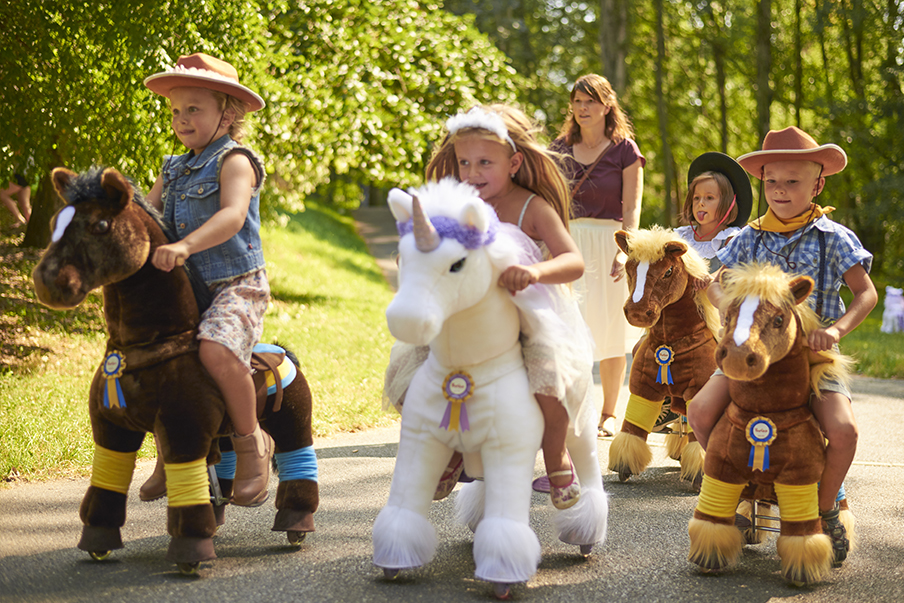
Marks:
<point>793,144</point>
<point>204,71</point>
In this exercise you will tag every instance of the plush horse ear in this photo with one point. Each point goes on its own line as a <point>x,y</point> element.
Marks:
<point>801,287</point>
<point>475,214</point>
<point>621,239</point>
<point>399,204</point>
<point>675,248</point>
<point>117,186</point>
<point>61,178</point>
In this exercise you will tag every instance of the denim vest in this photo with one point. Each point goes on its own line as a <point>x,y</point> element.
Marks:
<point>191,195</point>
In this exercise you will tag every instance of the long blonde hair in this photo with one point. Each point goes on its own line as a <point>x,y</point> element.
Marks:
<point>618,126</point>
<point>540,172</point>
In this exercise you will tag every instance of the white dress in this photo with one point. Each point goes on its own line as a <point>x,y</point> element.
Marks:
<point>555,341</point>
<point>708,249</point>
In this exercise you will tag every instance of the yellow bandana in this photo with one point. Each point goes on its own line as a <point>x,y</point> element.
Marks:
<point>772,223</point>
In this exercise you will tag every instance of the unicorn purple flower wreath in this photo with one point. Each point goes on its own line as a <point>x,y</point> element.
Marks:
<point>450,228</point>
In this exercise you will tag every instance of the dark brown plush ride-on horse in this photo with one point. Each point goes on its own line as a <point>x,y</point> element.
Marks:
<point>152,379</point>
<point>666,282</point>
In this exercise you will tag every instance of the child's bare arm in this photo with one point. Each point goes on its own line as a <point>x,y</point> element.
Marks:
<point>237,179</point>
<point>865,299</point>
<point>565,264</point>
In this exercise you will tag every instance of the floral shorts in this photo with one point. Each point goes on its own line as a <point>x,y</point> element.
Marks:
<point>235,319</point>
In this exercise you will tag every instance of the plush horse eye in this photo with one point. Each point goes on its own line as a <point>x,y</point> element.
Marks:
<point>100,227</point>
<point>668,273</point>
<point>457,266</point>
<point>778,321</point>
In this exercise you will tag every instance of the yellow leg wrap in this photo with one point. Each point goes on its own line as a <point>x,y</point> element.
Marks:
<point>687,425</point>
<point>187,483</point>
<point>642,412</point>
<point>798,503</point>
<point>112,470</point>
<point>718,498</point>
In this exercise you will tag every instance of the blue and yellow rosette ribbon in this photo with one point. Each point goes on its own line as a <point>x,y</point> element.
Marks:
<point>760,432</point>
<point>664,356</point>
<point>113,367</point>
<point>457,388</point>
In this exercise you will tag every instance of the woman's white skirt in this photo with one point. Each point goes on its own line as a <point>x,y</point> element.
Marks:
<point>602,300</point>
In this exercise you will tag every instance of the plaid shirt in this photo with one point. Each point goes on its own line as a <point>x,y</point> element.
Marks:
<point>842,250</point>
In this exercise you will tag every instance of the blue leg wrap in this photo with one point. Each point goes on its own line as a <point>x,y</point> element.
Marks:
<point>297,464</point>
<point>226,467</point>
<point>841,495</point>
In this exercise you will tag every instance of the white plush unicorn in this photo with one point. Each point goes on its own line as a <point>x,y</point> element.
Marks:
<point>472,393</point>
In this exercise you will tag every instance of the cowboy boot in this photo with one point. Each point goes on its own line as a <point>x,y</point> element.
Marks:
<point>155,486</point>
<point>252,468</point>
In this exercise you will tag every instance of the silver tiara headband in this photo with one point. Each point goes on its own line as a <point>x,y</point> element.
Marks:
<point>480,118</point>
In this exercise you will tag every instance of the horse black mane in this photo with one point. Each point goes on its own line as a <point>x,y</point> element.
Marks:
<point>86,186</point>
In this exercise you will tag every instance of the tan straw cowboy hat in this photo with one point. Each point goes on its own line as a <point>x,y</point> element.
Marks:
<point>204,71</point>
<point>793,144</point>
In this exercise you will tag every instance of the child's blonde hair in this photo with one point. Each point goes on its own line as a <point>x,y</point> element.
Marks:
<point>540,172</point>
<point>226,102</point>
<point>618,126</point>
<point>726,196</point>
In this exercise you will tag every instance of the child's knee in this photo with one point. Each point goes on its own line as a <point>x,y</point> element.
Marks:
<point>843,435</point>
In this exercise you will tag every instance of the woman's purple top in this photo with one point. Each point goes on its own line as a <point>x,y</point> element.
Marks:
<point>601,194</point>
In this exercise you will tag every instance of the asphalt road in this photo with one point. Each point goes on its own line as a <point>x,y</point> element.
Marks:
<point>644,558</point>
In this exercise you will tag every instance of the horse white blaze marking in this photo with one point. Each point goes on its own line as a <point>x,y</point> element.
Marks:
<point>641,281</point>
<point>63,220</point>
<point>745,319</point>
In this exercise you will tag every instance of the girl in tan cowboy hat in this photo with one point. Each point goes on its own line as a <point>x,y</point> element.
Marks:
<point>211,195</point>
<point>797,234</point>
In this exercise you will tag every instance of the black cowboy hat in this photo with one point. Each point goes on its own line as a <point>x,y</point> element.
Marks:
<point>731,169</point>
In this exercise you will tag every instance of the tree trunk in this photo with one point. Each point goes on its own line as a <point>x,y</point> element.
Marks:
<point>44,205</point>
<point>614,43</point>
<point>662,113</point>
<point>798,65</point>
<point>763,65</point>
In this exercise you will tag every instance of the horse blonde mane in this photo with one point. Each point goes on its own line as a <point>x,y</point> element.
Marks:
<point>773,285</point>
<point>648,245</point>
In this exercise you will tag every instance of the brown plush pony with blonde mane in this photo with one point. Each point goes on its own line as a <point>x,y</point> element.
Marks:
<point>666,282</point>
<point>767,444</point>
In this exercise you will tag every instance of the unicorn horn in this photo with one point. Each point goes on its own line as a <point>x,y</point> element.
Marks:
<point>426,238</point>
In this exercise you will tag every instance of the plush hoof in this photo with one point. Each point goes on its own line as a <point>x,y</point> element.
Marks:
<point>99,555</point>
<point>100,540</point>
<point>629,454</point>
<point>586,550</point>
<point>219,514</point>
<point>805,559</point>
<point>624,475</point>
<point>390,574</point>
<point>714,546</point>
<point>287,520</point>
<point>188,550</point>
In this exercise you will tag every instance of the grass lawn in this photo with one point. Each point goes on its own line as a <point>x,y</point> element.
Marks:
<point>328,302</point>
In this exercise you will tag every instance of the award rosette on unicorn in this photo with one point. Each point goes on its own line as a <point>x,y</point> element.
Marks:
<point>457,388</point>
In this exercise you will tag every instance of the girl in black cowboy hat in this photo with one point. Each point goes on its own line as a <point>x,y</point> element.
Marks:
<point>717,206</point>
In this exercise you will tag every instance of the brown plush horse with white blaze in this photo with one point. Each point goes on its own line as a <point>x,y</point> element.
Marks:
<point>767,444</point>
<point>152,378</point>
<point>666,282</point>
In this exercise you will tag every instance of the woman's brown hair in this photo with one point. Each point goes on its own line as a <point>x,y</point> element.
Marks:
<point>618,126</point>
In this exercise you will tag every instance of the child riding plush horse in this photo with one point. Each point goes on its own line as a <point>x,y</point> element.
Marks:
<point>152,379</point>
<point>472,394</point>
<point>768,436</point>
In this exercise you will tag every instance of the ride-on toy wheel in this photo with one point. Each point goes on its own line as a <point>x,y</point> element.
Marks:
<point>390,574</point>
<point>188,569</point>
<point>296,538</point>
<point>502,590</point>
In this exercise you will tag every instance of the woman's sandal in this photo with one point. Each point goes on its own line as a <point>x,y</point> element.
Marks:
<point>602,430</point>
<point>564,497</point>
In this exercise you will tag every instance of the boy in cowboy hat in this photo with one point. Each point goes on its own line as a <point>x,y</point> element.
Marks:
<point>211,194</point>
<point>796,234</point>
